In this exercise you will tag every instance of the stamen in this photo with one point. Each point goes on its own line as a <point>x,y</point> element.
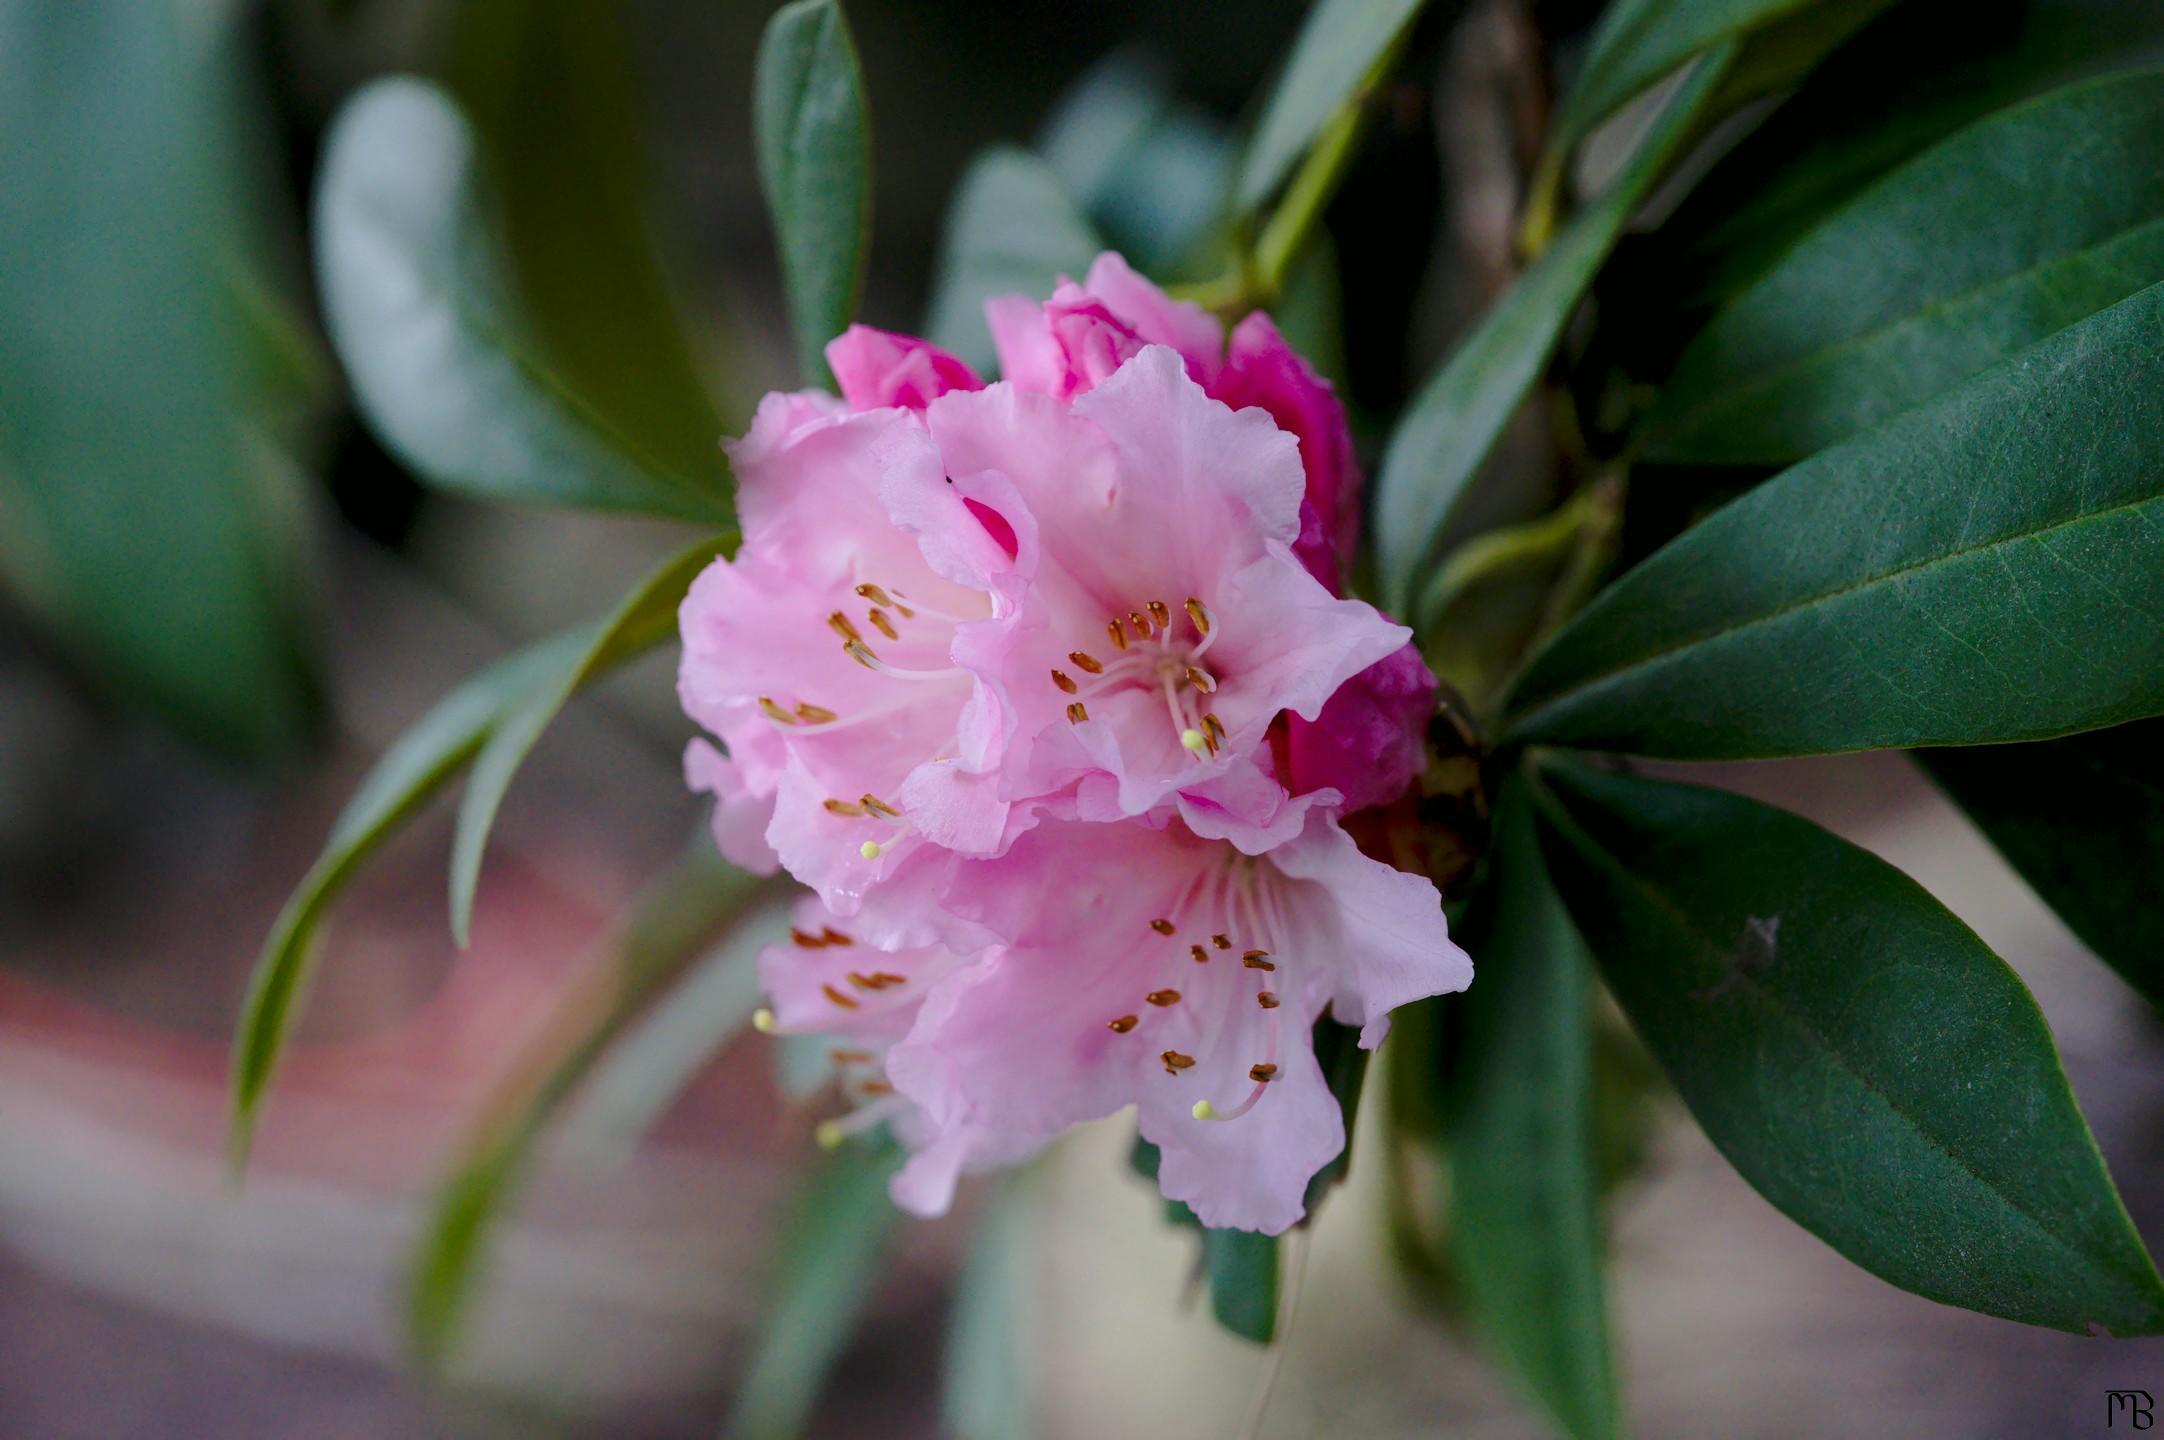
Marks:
<point>1258,960</point>
<point>1162,927</point>
<point>1118,634</point>
<point>839,998</point>
<point>1124,1024</point>
<point>884,978</point>
<point>1077,713</point>
<point>1199,614</point>
<point>875,806</point>
<point>855,650</point>
<point>1162,998</point>
<point>1267,999</point>
<point>850,1057</point>
<point>1161,614</point>
<point>843,807</point>
<point>1215,727</point>
<point>774,712</point>
<point>876,595</point>
<point>1199,955</point>
<point>1142,626</point>
<point>883,624</point>
<point>1065,681</point>
<point>1202,680</point>
<point>1262,1074</point>
<point>1175,1062</point>
<point>839,624</point>
<point>808,941</point>
<point>1222,942</point>
<point>833,936</point>
<point>876,1087</point>
<point>858,651</point>
<point>812,714</point>
<point>1086,662</point>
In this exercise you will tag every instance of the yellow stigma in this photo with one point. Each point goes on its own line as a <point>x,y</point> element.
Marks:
<point>869,850</point>
<point>762,1020</point>
<point>1195,740</point>
<point>1204,1110</point>
<point>830,1134</point>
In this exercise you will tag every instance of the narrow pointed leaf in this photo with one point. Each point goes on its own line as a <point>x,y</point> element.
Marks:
<point>1243,1271</point>
<point>646,617</point>
<point>408,775</point>
<point>1639,41</point>
<point>2059,210</point>
<point>1010,231</point>
<point>1524,1220</point>
<point>1455,420</point>
<point>670,926</point>
<point>815,164</point>
<point>1340,44</point>
<point>1944,579</point>
<point>828,1260</point>
<point>423,312</point>
<point>2082,820</point>
<point>1853,1049</point>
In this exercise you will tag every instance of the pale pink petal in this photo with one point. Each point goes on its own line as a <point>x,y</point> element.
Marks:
<point>879,368</point>
<point>741,816</point>
<point>1385,927</point>
<point>1251,1173</point>
<point>1158,318</point>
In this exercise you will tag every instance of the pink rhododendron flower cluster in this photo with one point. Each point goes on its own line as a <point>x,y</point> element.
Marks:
<point>1048,691</point>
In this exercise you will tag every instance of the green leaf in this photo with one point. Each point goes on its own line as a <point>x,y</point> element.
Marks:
<point>670,925</point>
<point>645,618</point>
<point>1853,1049</point>
<point>2082,820</point>
<point>1455,420</point>
<point>815,164</point>
<point>1524,1220</point>
<point>147,519</point>
<point>422,311</point>
<point>1639,41</point>
<point>1341,45</point>
<point>1243,1273</point>
<point>1943,579</point>
<point>556,99</point>
<point>409,773</point>
<point>985,1393</point>
<point>1011,230</point>
<point>1870,108</point>
<point>2059,210</point>
<point>829,1257</point>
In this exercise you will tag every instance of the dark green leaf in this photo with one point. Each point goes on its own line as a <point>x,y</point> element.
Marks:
<point>1944,579</point>
<point>669,927</point>
<point>1011,230</point>
<point>147,518</point>
<point>1455,420</point>
<point>1243,1282</point>
<point>1872,107</point>
<point>645,618</point>
<point>1852,1048</point>
<point>422,312</point>
<point>1524,1223</point>
<point>2082,819</point>
<point>1340,46</point>
<point>815,164</point>
<point>552,91</point>
<point>985,1394</point>
<point>1639,41</point>
<point>2014,228</point>
<point>829,1258</point>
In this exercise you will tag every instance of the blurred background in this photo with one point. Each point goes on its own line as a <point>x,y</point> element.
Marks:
<point>222,600</point>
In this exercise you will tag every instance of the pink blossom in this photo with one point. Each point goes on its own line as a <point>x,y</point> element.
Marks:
<point>878,368</point>
<point>1157,968</point>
